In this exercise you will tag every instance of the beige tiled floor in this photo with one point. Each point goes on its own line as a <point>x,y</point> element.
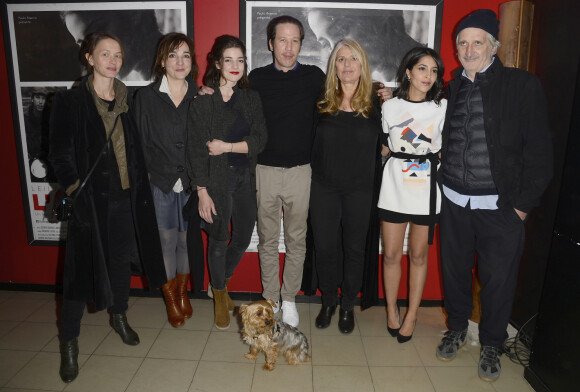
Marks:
<point>198,357</point>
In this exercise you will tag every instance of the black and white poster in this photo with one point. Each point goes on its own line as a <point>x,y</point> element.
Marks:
<point>42,43</point>
<point>386,29</point>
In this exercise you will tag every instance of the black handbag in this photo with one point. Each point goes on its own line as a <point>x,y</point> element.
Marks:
<point>62,208</point>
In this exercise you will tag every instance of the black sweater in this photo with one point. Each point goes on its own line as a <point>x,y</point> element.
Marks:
<point>345,150</point>
<point>289,100</point>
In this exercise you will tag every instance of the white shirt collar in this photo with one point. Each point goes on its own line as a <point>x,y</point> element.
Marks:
<point>164,87</point>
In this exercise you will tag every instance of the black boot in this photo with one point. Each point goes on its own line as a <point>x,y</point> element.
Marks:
<point>324,317</point>
<point>346,321</point>
<point>121,326</point>
<point>69,354</point>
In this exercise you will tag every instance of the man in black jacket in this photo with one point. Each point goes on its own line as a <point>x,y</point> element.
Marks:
<point>497,162</point>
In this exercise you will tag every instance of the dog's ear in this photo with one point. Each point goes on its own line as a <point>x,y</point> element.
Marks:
<point>271,302</point>
<point>242,309</point>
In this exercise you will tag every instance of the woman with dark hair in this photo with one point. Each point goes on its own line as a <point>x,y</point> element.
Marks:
<point>113,223</point>
<point>161,114</point>
<point>412,124</point>
<point>226,132</point>
<point>344,157</point>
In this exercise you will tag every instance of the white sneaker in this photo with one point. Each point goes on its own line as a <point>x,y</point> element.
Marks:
<point>290,313</point>
<point>276,307</point>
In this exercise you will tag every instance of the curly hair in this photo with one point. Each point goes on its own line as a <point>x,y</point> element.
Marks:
<point>362,101</point>
<point>216,56</point>
<point>409,61</point>
<point>169,43</point>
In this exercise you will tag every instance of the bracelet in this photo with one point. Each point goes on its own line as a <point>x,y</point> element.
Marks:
<point>232,149</point>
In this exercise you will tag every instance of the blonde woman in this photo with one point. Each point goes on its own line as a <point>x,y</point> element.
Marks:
<point>343,169</point>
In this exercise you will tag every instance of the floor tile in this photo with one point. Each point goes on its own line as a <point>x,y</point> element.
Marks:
<point>8,294</point>
<point>105,373</point>
<point>16,309</point>
<point>46,313</point>
<point>11,362</point>
<point>401,379</point>
<point>29,336</point>
<point>386,351</point>
<point>430,322</point>
<point>511,378</point>
<point>341,378</point>
<point>223,377</point>
<point>40,373</point>
<point>457,379</point>
<point>426,346</point>
<point>338,350</point>
<point>7,326</point>
<point>372,321</point>
<point>285,378</point>
<point>147,312</point>
<point>166,375</point>
<point>225,347</point>
<point>113,345</point>
<point>202,318</point>
<point>179,344</point>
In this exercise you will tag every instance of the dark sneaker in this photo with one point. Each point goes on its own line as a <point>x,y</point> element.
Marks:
<point>489,365</point>
<point>451,342</point>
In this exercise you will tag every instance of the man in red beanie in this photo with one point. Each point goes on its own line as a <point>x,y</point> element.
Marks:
<point>496,163</point>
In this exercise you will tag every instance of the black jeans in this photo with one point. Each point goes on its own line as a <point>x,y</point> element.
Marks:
<point>122,244</point>
<point>497,237</point>
<point>330,210</point>
<point>240,207</point>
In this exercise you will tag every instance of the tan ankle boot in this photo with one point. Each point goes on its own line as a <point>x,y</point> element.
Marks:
<point>182,298</point>
<point>220,306</point>
<point>174,313</point>
<point>229,301</point>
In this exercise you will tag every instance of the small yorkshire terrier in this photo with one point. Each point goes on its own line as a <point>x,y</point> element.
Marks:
<point>263,333</point>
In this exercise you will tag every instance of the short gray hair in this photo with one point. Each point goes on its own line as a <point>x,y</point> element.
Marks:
<point>492,41</point>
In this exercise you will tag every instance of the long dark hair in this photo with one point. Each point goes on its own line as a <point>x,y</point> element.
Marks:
<point>90,43</point>
<point>216,55</point>
<point>169,43</point>
<point>409,61</point>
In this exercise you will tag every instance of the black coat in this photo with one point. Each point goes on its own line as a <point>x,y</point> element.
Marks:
<point>77,136</point>
<point>517,132</point>
<point>209,118</point>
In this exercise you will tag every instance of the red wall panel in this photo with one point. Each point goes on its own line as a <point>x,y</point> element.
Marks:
<point>22,263</point>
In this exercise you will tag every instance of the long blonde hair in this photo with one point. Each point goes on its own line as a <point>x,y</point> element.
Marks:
<point>361,101</point>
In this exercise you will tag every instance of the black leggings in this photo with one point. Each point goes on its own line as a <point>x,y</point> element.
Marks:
<point>121,244</point>
<point>240,207</point>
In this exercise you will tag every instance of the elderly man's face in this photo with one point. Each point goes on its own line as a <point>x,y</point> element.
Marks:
<point>474,50</point>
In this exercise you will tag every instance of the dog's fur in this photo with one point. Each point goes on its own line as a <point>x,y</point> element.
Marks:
<point>263,333</point>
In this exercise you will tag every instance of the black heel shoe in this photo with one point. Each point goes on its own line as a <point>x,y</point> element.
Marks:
<point>121,326</point>
<point>69,366</point>
<point>324,317</point>
<point>346,321</point>
<point>403,338</point>
<point>394,331</point>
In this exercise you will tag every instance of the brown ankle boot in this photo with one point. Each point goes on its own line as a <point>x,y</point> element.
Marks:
<point>229,301</point>
<point>220,306</point>
<point>174,313</point>
<point>182,298</point>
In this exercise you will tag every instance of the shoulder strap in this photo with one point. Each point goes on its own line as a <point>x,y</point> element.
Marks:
<point>98,159</point>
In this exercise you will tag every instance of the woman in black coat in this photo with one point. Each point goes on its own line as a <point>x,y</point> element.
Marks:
<point>226,132</point>
<point>113,225</point>
<point>161,113</point>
